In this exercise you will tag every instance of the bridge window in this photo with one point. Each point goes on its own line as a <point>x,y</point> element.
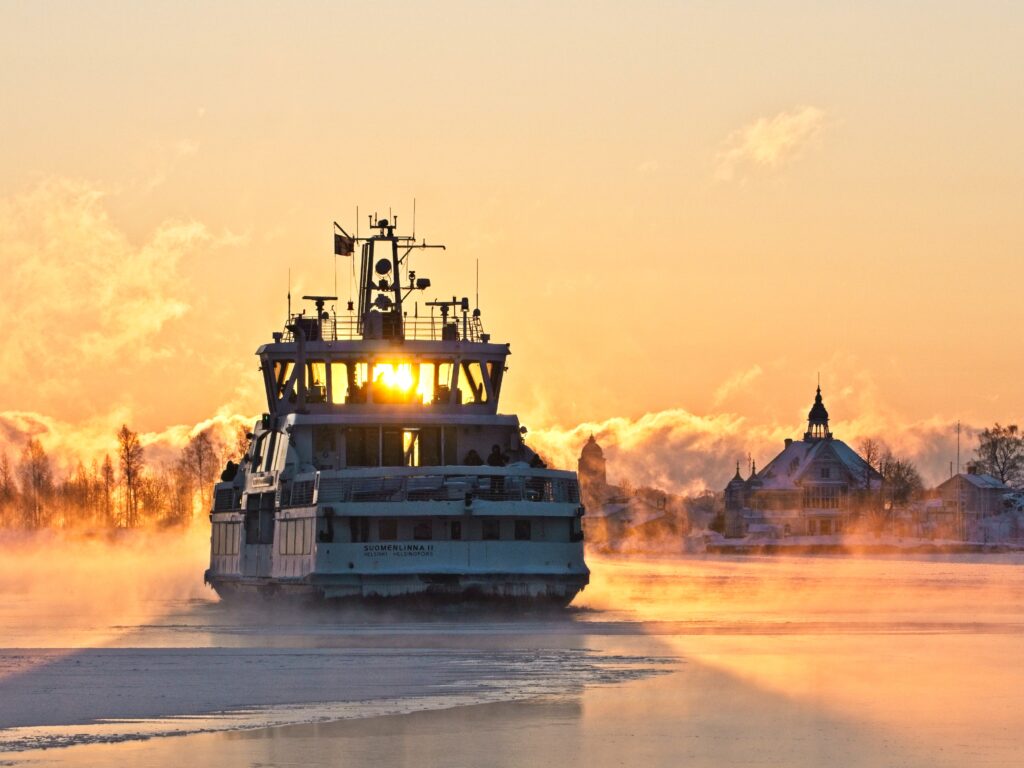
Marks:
<point>316,381</point>
<point>283,378</point>
<point>399,381</point>
<point>472,388</point>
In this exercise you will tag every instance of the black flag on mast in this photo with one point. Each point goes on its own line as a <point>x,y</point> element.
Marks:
<point>344,243</point>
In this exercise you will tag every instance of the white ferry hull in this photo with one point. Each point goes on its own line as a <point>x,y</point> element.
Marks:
<point>442,588</point>
<point>382,469</point>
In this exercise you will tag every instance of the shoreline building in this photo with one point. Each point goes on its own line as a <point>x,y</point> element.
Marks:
<point>618,516</point>
<point>966,499</point>
<point>812,488</point>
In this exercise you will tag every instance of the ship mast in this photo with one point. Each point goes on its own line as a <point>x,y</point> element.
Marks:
<point>381,292</point>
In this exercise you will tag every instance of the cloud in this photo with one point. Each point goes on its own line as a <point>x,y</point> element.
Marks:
<point>68,443</point>
<point>685,453</point>
<point>75,289</point>
<point>768,142</point>
<point>94,315</point>
<point>674,449</point>
<point>737,383</point>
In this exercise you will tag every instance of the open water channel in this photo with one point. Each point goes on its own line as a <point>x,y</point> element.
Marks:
<point>663,661</point>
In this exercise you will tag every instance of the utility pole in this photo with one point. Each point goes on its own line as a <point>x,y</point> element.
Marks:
<point>959,489</point>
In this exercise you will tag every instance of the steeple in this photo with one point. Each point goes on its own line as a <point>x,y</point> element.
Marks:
<point>591,464</point>
<point>817,421</point>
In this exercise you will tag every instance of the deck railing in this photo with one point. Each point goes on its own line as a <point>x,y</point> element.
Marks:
<point>429,328</point>
<point>364,486</point>
<point>319,488</point>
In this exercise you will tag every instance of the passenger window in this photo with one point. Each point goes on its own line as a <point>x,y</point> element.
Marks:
<point>576,529</point>
<point>429,447</point>
<point>456,530</point>
<point>387,530</point>
<point>392,448</point>
<point>362,446</point>
<point>326,532</point>
<point>422,531</point>
<point>522,530</point>
<point>359,528</point>
<point>491,530</point>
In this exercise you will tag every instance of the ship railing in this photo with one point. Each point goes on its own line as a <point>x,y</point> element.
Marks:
<point>499,485</point>
<point>431,328</point>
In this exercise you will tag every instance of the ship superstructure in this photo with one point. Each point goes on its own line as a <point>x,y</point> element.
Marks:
<point>382,467</point>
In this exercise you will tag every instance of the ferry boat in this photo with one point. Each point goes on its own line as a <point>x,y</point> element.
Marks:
<point>382,468</point>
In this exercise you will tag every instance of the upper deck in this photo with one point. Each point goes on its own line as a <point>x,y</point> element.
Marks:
<point>326,361</point>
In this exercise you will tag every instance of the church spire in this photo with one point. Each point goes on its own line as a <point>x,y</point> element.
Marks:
<point>817,420</point>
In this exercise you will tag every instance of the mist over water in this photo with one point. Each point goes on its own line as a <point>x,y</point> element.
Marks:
<point>800,660</point>
<point>67,589</point>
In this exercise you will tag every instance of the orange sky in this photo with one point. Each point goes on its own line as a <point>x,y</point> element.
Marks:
<point>675,206</point>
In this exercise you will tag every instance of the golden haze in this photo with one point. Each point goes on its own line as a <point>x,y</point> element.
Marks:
<point>679,220</point>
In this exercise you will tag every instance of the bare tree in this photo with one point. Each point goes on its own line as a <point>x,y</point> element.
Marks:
<point>241,443</point>
<point>181,493</point>
<point>36,483</point>
<point>871,451</point>
<point>8,492</point>
<point>1001,453</point>
<point>201,460</point>
<point>154,496</point>
<point>107,483</point>
<point>901,480</point>
<point>132,459</point>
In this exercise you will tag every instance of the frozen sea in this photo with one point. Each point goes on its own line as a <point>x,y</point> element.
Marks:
<point>122,658</point>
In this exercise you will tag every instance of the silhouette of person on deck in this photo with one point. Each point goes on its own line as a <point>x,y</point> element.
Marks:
<point>496,457</point>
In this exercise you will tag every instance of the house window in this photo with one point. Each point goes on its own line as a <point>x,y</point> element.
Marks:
<point>491,530</point>
<point>826,473</point>
<point>522,530</point>
<point>822,497</point>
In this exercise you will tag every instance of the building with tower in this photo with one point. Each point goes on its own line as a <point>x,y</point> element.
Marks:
<point>592,464</point>
<point>814,487</point>
<point>625,518</point>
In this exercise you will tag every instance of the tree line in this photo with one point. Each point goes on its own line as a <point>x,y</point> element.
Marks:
<point>1000,453</point>
<point>123,491</point>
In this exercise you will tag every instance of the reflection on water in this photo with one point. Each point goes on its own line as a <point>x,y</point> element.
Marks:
<point>780,661</point>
